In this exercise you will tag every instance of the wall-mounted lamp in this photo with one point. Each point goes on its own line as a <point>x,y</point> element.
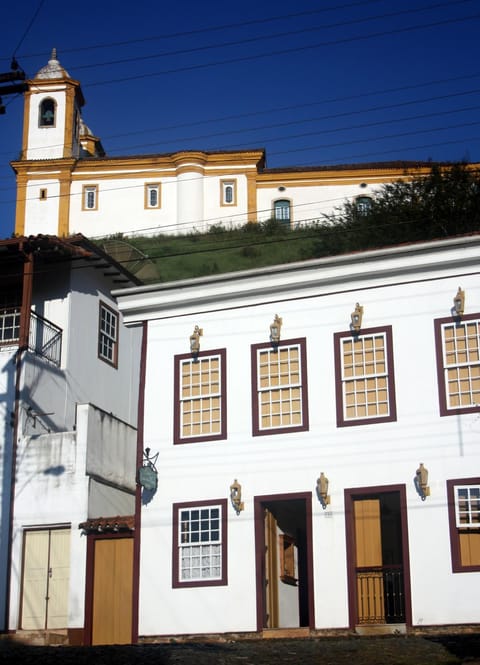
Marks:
<point>275,329</point>
<point>421,482</point>
<point>195,340</point>
<point>322,490</point>
<point>459,302</point>
<point>236,496</point>
<point>147,473</point>
<point>356,318</point>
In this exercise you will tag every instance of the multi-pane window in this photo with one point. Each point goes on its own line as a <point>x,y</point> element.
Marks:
<point>200,543</point>
<point>152,195</point>
<point>9,324</point>
<point>108,335</point>
<point>90,201</point>
<point>458,361</point>
<point>281,210</point>
<point>364,373</point>
<point>464,517</point>
<point>363,204</point>
<point>467,506</point>
<point>200,397</point>
<point>228,192</point>
<point>279,387</point>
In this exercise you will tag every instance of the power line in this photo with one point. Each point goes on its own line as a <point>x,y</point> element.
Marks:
<point>37,11</point>
<point>228,26</point>
<point>272,53</point>
<point>264,37</point>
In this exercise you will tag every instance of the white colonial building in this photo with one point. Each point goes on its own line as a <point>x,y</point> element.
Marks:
<point>317,429</point>
<point>67,184</point>
<point>68,421</point>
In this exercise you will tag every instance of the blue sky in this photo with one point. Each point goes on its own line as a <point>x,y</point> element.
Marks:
<point>314,83</point>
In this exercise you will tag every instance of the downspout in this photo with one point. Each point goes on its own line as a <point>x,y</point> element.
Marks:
<point>25,308</point>
<point>138,492</point>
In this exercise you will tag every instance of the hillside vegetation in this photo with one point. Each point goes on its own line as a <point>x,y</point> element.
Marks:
<point>443,204</point>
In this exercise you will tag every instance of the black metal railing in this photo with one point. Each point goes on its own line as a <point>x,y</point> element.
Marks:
<point>380,595</point>
<point>45,339</point>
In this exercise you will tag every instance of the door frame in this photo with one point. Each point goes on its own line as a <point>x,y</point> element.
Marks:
<point>350,494</point>
<point>89,584</point>
<point>260,552</point>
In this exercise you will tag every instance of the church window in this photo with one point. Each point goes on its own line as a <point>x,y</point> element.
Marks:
<point>47,113</point>
<point>152,195</point>
<point>90,201</point>
<point>281,211</point>
<point>228,193</point>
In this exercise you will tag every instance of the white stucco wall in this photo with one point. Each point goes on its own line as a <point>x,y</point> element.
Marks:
<point>402,288</point>
<point>42,214</point>
<point>51,490</point>
<point>7,396</point>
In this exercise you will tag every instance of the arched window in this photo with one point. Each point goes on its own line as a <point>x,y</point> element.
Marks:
<point>47,113</point>
<point>363,204</point>
<point>281,210</point>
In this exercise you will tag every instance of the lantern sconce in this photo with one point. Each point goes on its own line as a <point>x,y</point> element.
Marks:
<point>275,329</point>
<point>356,318</point>
<point>195,340</point>
<point>322,490</point>
<point>459,302</point>
<point>421,482</point>
<point>236,496</point>
<point>147,473</point>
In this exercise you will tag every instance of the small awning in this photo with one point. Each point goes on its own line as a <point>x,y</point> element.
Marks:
<point>109,524</point>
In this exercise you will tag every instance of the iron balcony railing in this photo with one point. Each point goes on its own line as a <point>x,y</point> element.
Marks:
<point>44,338</point>
<point>380,595</point>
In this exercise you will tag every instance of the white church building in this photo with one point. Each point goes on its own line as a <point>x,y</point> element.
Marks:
<point>67,184</point>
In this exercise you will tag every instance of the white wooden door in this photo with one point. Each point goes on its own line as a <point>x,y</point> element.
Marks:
<point>46,568</point>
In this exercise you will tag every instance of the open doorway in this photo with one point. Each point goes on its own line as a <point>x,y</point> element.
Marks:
<point>284,564</point>
<point>377,551</point>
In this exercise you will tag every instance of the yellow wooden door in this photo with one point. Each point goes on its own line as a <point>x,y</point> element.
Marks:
<point>271,571</point>
<point>368,554</point>
<point>112,591</point>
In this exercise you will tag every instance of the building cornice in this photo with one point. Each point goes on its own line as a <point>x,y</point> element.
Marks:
<point>355,271</point>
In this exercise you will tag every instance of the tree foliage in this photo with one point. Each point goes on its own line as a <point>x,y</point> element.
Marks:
<point>444,203</point>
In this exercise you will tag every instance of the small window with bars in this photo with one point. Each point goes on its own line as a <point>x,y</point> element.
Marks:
<point>200,386</point>
<point>280,397</point>
<point>108,335</point>
<point>200,537</point>
<point>364,370</point>
<point>458,358</point>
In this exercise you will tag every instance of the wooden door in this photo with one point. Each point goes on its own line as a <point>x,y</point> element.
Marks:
<point>46,567</point>
<point>112,591</point>
<point>271,571</point>
<point>368,561</point>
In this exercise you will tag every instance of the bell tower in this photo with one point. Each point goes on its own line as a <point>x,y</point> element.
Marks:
<point>51,124</point>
